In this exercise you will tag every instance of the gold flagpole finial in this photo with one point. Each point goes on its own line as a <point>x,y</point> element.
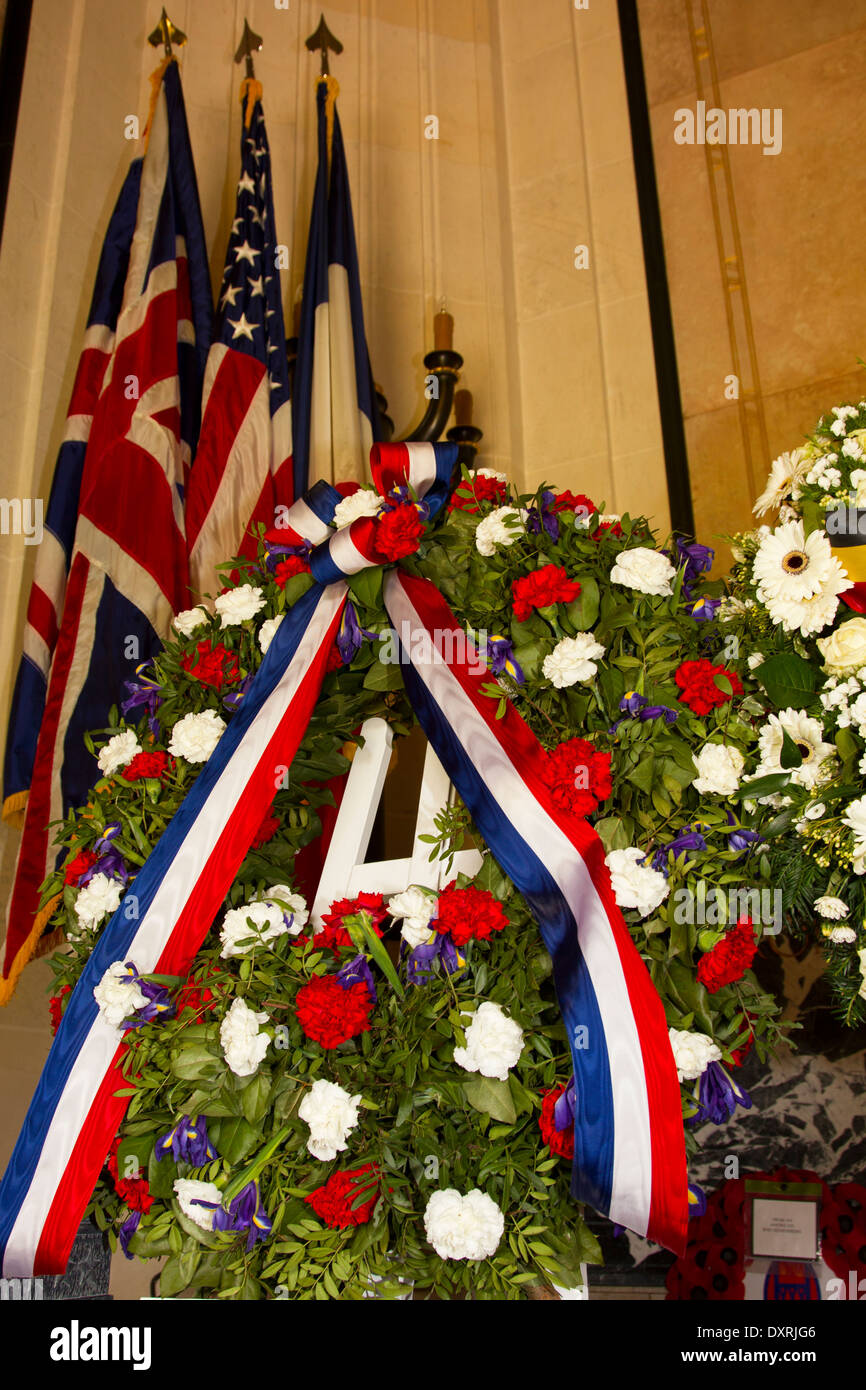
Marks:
<point>250,43</point>
<point>322,40</point>
<point>166,34</point>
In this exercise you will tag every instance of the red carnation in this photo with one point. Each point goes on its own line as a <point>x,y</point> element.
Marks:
<point>55,1006</point>
<point>335,660</point>
<point>568,501</point>
<point>212,665</point>
<point>605,526</point>
<point>334,1202</point>
<point>266,831</point>
<point>79,865</point>
<point>468,914</point>
<point>289,567</point>
<point>578,776</point>
<point>133,1191</point>
<point>559,1141</point>
<point>146,765</point>
<point>334,934</point>
<point>330,1014</point>
<point>540,589</point>
<point>730,958</point>
<point>399,531</point>
<point>696,680</point>
<point>467,495</point>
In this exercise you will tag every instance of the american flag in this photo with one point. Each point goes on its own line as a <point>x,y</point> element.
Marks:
<point>334,415</point>
<point>243,464</point>
<point>140,378</point>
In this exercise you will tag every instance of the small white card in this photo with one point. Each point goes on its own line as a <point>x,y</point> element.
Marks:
<point>784,1229</point>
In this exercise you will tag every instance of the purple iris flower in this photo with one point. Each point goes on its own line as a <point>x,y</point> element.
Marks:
<point>704,611</point>
<point>127,1231</point>
<point>244,1213</point>
<point>110,861</point>
<point>665,712</point>
<point>351,636</point>
<point>543,517</point>
<point>563,1110</point>
<point>419,966</point>
<point>718,1096</point>
<point>740,838</point>
<point>277,552</point>
<point>696,558</point>
<point>685,843</point>
<point>697,1201</point>
<point>637,707</point>
<point>187,1141</point>
<point>159,1001</point>
<point>232,700</point>
<point>500,654</point>
<point>356,972</point>
<point>143,692</point>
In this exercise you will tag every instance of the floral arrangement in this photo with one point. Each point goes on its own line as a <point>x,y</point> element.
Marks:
<point>385,1104</point>
<point>796,609</point>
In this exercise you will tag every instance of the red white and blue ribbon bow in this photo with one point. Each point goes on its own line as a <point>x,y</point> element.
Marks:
<point>629,1159</point>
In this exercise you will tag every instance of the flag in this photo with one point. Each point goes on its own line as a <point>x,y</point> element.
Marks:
<point>243,463</point>
<point>334,414</point>
<point>128,572</point>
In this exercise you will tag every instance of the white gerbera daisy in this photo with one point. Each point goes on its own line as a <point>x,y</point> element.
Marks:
<point>786,474</point>
<point>792,566</point>
<point>855,819</point>
<point>806,733</point>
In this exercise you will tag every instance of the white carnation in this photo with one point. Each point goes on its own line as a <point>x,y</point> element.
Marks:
<point>634,884</point>
<point>489,473</point>
<point>190,1192</point>
<point>268,630</point>
<point>292,904</point>
<point>191,618</point>
<point>236,605</point>
<point>195,736</point>
<point>100,896</point>
<point>332,1114</point>
<point>693,1053</point>
<point>416,909</point>
<point>647,571</point>
<point>498,528</point>
<point>573,659</point>
<point>117,995</point>
<point>242,1043</point>
<point>463,1228</point>
<point>494,1043</point>
<point>268,923</point>
<point>833,908</point>
<point>719,766</point>
<point>118,751</point>
<point>364,502</point>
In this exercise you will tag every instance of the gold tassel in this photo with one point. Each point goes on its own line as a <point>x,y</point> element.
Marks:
<point>155,83</point>
<point>251,92</point>
<point>14,809</point>
<point>333,87</point>
<point>30,948</point>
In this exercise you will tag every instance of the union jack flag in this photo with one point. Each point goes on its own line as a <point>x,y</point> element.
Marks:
<point>116,511</point>
<point>243,464</point>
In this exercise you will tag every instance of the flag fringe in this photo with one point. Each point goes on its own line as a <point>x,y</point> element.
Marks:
<point>14,808</point>
<point>30,949</point>
<point>155,84</point>
<point>251,92</point>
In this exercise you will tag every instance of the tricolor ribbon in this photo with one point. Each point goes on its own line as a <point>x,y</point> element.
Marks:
<point>629,1158</point>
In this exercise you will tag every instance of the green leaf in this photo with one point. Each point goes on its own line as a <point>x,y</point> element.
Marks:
<point>235,1139</point>
<point>255,1096</point>
<point>612,833</point>
<point>788,679</point>
<point>161,1175</point>
<point>490,1097</point>
<point>761,786</point>
<point>583,611</point>
<point>177,1273</point>
<point>790,755</point>
<point>366,586</point>
<point>195,1063</point>
<point>369,941</point>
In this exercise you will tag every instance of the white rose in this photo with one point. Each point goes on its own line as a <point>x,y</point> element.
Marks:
<point>361,503</point>
<point>755,660</point>
<point>268,630</point>
<point>498,528</point>
<point>332,1114</point>
<point>634,884</point>
<point>494,1043</point>
<point>99,896</point>
<point>693,1053</point>
<point>189,1193</point>
<point>648,571</point>
<point>118,751</point>
<point>242,1043</point>
<point>572,660</point>
<point>719,768</point>
<point>236,605</point>
<point>845,649</point>
<point>117,995</point>
<point>416,908</point>
<point>833,908</point>
<point>195,736</point>
<point>269,924</point>
<point>855,819</point>
<point>291,904</point>
<point>191,618</point>
<point>463,1228</point>
<point>841,936</point>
